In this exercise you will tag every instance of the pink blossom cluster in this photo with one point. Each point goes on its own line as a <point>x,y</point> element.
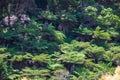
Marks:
<point>24,18</point>
<point>9,21</point>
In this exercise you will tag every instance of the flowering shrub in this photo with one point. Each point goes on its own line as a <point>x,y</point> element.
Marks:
<point>24,19</point>
<point>10,20</point>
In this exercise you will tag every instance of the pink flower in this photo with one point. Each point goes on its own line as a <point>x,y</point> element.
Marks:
<point>24,18</point>
<point>9,21</point>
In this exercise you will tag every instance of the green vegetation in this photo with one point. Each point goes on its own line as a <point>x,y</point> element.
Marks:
<point>59,39</point>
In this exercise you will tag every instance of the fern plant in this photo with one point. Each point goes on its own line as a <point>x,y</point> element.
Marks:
<point>73,57</point>
<point>45,58</point>
<point>101,34</point>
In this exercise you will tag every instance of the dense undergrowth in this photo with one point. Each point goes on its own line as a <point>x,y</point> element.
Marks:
<point>59,39</point>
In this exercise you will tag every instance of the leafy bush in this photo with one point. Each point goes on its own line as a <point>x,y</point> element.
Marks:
<point>101,34</point>
<point>45,58</point>
<point>73,57</point>
<point>4,66</point>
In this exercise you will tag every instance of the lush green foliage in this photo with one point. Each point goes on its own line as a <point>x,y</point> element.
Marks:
<point>59,39</point>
